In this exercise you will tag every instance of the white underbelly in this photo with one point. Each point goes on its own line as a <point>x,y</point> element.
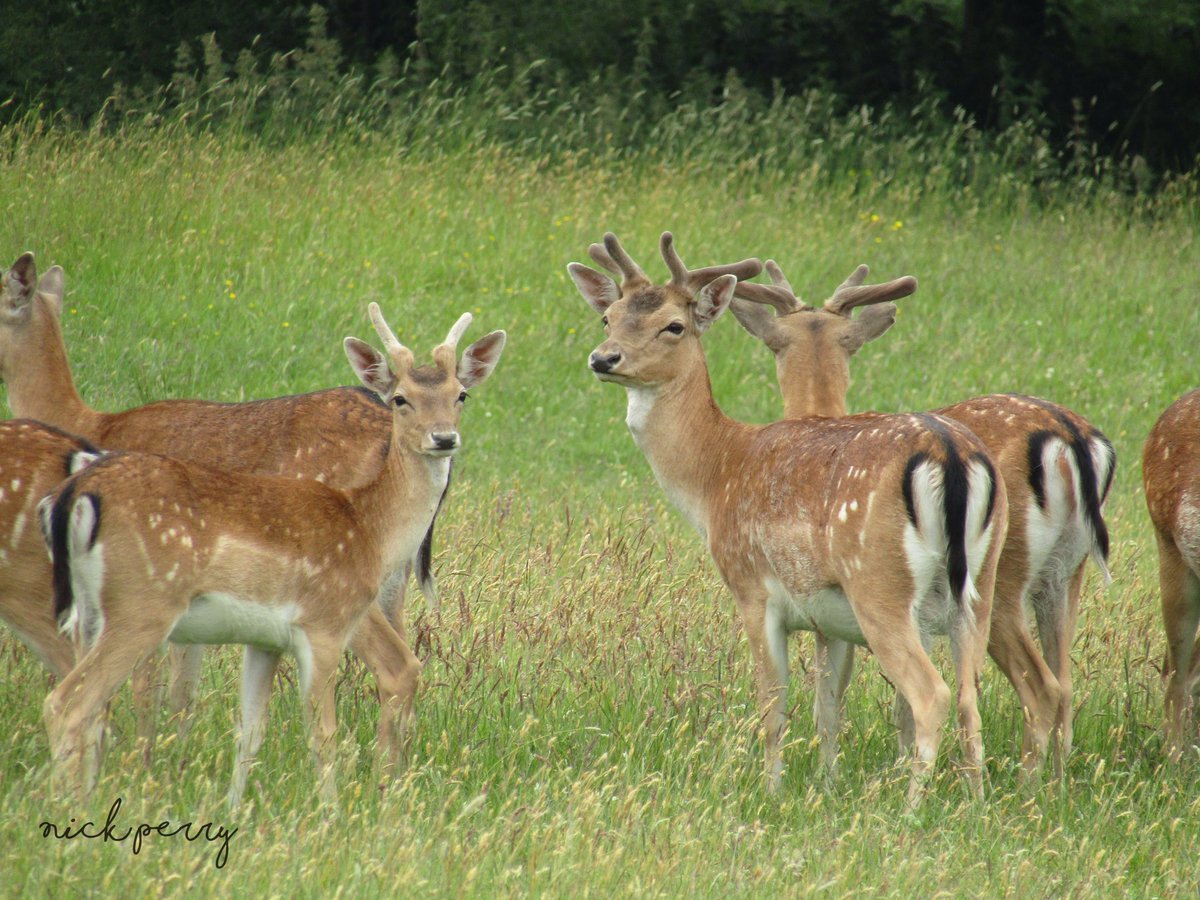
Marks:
<point>826,611</point>
<point>217,618</point>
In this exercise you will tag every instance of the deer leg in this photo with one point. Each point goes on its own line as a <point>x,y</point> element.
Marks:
<point>1057,611</point>
<point>75,711</point>
<point>319,678</point>
<point>392,595</point>
<point>397,672</point>
<point>768,647</point>
<point>147,688</point>
<point>1011,645</point>
<point>1181,616</point>
<point>893,638</point>
<point>258,672</point>
<point>186,660</point>
<point>835,664</point>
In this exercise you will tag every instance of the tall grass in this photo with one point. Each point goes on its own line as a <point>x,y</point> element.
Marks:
<point>586,726</point>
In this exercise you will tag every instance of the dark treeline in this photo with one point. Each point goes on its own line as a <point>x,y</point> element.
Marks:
<point>1126,74</point>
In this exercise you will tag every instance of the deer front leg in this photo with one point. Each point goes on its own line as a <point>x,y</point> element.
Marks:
<point>397,673</point>
<point>835,664</point>
<point>186,661</point>
<point>258,672</point>
<point>320,681</point>
<point>768,647</point>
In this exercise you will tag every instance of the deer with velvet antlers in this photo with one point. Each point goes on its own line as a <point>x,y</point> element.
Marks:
<point>337,436</point>
<point>872,529</point>
<point>1057,470</point>
<point>1171,478</point>
<point>148,549</point>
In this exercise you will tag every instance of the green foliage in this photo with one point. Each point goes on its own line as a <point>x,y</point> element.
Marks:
<point>586,723</point>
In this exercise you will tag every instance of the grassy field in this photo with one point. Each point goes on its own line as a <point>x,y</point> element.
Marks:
<point>586,726</point>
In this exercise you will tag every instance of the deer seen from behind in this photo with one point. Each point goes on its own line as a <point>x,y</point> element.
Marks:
<point>874,530</point>
<point>1171,478</point>
<point>149,548</point>
<point>1057,470</point>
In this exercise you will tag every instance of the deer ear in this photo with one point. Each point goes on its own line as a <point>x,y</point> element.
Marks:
<point>479,360</point>
<point>19,281</point>
<point>869,324</point>
<point>370,366</point>
<point>53,286</point>
<point>757,319</point>
<point>712,300</point>
<point>598,290</point>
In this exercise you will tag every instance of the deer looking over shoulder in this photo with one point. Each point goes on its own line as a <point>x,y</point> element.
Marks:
<point>873,529</point>
<point>1057,471</point>
<point>148,549</point>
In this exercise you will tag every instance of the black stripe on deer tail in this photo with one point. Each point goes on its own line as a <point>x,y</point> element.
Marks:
<point>956,493</point>
<point>1084,463</point>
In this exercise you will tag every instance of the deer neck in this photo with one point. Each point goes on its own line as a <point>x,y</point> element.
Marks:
<point>686,438</point>
<point>39,379</point>
<point>810,394</point>
<point>396,509</point>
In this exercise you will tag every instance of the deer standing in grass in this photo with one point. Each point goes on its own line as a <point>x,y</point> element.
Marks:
<point>34,459</point>
<point>338,436</point>
<point>1171,478</point>
<point>873,529</point>
<point>1057,470</point>
<point>148,549</point>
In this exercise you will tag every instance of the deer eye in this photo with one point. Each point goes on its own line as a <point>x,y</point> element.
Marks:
<point>462,398</point>
<point>400,400</point>
<point>674,328</point>
<point>604,321</point>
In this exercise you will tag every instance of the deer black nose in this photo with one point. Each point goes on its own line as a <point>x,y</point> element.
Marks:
<point>444,440</point>
<point>603,363</point>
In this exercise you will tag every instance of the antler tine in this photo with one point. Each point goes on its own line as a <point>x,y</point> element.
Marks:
<point>779,295</point>
<point>602,259</point>
<point>396,350</point>
<point>631,272</point>
<point>679,272</point>
<point>852,292</point>
<point>694,279</point>
<point>457,330</point>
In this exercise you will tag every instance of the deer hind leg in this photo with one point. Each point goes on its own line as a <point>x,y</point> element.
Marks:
<point>835,664</point>
<point>892,636</point>
<point>397,673</point>
<point>258,673</point>
<point>1011,645</point>
<point>1181,616</point>
<point>1057,611</point>
<point>75,711</point>
<point>902,714</point>
<point>187,661</point>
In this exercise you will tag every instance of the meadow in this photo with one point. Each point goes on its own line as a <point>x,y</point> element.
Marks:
<point>586,726</point>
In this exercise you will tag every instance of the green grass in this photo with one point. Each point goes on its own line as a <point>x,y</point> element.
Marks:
<point>586,722</point>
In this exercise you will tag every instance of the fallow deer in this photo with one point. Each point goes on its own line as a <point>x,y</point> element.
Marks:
<point>1171,478</point>
<point>338,436</point>
<point>34,459</point>
<point>148,548</point>
<point>872,529</point>
<point>1057,471</point>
